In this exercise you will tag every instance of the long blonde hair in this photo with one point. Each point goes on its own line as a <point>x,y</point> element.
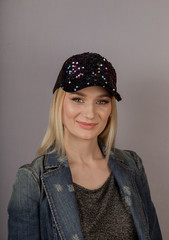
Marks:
<point>54,132</point>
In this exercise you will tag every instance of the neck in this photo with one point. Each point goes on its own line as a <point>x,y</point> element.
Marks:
<point>82,150</point>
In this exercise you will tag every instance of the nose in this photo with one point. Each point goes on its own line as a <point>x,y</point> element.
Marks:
<point>89,111</point>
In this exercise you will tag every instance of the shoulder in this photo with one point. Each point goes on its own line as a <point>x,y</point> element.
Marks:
<point>34,170</point>
<point>26,188</point>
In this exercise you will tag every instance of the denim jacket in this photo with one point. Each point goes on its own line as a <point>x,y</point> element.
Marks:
<point>43,203</point>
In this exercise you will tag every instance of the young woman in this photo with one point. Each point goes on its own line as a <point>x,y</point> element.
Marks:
<point>80,186</point>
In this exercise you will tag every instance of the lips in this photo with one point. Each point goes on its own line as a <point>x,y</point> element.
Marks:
<point>86,125</point>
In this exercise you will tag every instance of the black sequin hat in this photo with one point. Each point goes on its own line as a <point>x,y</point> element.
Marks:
<point>86,70</point>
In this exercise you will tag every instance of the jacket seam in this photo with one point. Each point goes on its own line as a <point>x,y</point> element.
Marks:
<point>140,200</point>
<point>141,208</point>
<point>33,174</point>
<point>53,212</point>
<point>56,170</point>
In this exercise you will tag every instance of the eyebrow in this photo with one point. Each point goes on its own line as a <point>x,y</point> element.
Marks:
<point>84,95</point>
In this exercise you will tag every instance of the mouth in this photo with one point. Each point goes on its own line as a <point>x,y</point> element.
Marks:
<point>86,125</point>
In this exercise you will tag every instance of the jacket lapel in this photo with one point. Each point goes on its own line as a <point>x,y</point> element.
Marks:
<point>59,189</point>
<point>125,177</point>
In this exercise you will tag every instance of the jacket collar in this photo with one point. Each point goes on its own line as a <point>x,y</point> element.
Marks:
<point>54,160</point>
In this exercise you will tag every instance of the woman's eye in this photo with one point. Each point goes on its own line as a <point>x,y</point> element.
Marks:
<point>102,102</point>
<point>79,100</point>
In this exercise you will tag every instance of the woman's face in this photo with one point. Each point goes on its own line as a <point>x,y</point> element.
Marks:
<point>86,112</point>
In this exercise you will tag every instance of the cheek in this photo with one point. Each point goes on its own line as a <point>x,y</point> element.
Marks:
<point>106,113</point>
<point>68,112</point>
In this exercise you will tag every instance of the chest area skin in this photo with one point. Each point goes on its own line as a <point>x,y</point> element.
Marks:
<point>90,175</point>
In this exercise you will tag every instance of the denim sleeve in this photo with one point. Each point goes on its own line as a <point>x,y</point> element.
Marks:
<point>154,228</point>
<point>23,208</point>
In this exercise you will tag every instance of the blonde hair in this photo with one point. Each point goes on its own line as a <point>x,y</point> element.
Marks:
<point>54,132</point>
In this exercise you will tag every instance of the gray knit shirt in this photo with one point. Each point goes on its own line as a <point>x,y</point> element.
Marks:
<point>104,214</point>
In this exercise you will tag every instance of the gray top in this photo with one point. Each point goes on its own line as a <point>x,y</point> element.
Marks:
<point>103,212</point>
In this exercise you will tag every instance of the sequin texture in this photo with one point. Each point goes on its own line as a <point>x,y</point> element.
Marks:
<point>87,69</point>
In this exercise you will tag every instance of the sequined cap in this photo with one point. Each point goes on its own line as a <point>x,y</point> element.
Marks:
<point>86,70</point>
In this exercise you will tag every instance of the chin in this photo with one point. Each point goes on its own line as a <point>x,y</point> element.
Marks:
<point>87,137</point>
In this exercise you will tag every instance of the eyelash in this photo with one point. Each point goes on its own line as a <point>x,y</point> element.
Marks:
<point>79,100</point>
<point>103,102</point>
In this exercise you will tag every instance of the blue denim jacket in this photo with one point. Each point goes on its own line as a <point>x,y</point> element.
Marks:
<point>43,203</point>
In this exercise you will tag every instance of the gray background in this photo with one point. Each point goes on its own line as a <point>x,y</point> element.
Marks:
<point>37,36</point>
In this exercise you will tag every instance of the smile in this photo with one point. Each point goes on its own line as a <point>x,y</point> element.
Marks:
<point>86,125</point>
